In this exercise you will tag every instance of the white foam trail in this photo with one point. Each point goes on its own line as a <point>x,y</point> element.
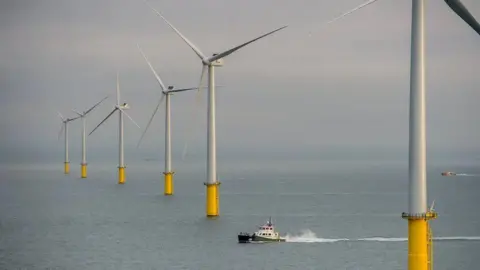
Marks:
<point>382,239</point>
<point>457,238</point>
<point>307,236</point>
<point>466,174</point>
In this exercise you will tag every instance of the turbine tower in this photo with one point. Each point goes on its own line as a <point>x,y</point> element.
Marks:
<point>419,233</point>
<point>83,115</point>
<point>216,60</point>
<point>64,128</point>
<point>166,93</point>
<point>121,111</point>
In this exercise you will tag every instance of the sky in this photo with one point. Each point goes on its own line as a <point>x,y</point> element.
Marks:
<point>306,88</point>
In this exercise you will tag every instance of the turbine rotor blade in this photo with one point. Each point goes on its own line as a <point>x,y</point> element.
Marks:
<point>226,53</point>
<point>153,70</point>
<point>197,96</point>
<point>71,119</point>
<point>118,91</point>
<point>195,109</point>
<point>61,116</point>
<point>79,114</point>
<point>463,13</point>
<point>352,10</point>
<point>184,89</point>
<point>89,110</point>
<point>61,131</point>
<point>151,118</point>
<point>131,119</point>
<point>194,48</point>
<point>103,121</point>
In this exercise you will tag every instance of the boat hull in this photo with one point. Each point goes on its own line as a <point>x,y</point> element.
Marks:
<point>252,238</point>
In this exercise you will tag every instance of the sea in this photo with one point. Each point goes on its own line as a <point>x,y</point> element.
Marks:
<point>335,213</point>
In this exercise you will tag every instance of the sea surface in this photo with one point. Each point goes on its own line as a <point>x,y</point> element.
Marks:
<point>336,215</point>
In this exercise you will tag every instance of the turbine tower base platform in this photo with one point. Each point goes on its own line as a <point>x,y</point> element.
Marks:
<point>419,240</point>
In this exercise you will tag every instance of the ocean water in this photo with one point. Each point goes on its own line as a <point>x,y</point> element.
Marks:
<point>336,215</point>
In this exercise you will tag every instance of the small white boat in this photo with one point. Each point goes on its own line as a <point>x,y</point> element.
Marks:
<point>265,233</point>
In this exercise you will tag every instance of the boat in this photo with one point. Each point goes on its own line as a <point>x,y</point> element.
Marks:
<point>448,173</point>
<point>265,233</point>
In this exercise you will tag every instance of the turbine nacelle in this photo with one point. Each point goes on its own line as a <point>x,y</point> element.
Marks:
<point>218,62</point>
<point>124,106</point>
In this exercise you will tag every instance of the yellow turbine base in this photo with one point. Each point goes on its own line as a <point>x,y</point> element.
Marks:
<point>83,169</point>
<point>168,187</point>
<point>121,175</point>
<point>66,167</point>
<point>213,204</point>
<point>417,245</point>
<point>419,242</point>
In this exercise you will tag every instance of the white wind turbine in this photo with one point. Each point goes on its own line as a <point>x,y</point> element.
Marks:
<point>121,111</point>
<point>418,216</point>
<point>166,93</point>
<point>64,129</point>
<point>83,115</point>
<point>212,194</point>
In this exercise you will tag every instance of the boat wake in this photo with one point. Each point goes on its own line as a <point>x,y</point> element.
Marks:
<point>467,174</point>
<point>307,236</point>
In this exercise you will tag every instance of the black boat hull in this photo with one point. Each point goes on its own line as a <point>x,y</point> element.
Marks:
<point>244,238</point>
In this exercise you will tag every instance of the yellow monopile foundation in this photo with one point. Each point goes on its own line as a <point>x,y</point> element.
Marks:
<point>419,241</point>
<point>213,200</point>
<point>66,167</point>
<point>83,169</point>
<point>168,188</point>
<point>121,175</point>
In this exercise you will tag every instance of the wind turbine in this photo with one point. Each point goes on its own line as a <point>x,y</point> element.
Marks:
<point>64,129</point>
<point>418,216</point>
<point>83,115</point>
<point>121,110</point>
<point>166,93</point>
<point>216,60</point>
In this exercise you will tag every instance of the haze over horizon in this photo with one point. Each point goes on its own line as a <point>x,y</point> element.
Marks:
<point>306,87</point>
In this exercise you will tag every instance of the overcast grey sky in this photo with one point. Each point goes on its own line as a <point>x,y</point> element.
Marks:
<point>305,87</point>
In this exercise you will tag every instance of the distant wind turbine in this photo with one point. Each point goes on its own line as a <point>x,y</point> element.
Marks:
<point>83,115</point>
<point>64,129</point>
<point>166,93</point>
<point>212,194</point>
<point>418,216</point>
<point>121,111</point>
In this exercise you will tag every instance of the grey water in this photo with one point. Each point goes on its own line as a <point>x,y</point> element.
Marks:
<point>338,214</point>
